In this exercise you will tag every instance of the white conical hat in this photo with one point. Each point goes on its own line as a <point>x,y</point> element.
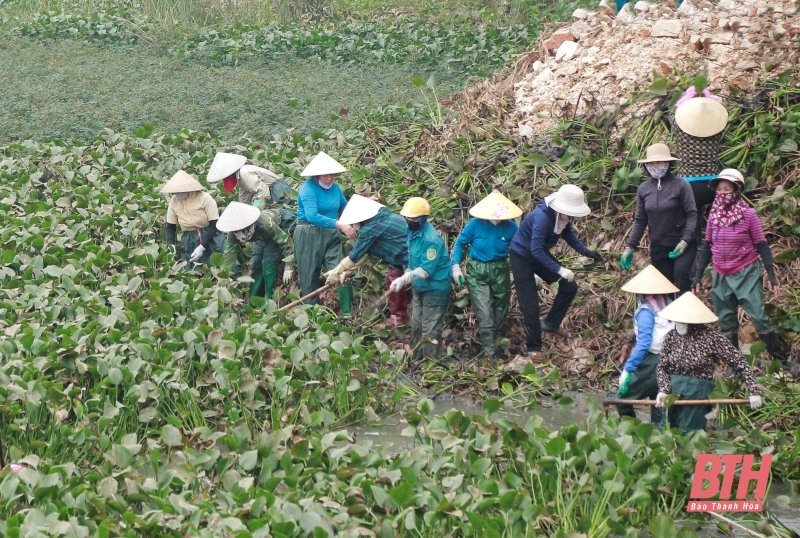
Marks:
<point>359,209</point>
<point>181,182</point>
<point>495,207</point>
<point>224,165</point>
<point>321,165</point>
<point>688,309</point>
<point>237,216</point>
<point>650,281</point>
<point>701,117</point>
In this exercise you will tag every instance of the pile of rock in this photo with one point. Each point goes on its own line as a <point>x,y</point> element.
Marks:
<point>602,59</point>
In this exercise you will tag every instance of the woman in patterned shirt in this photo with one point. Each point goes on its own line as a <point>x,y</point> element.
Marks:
<point>689,356</point>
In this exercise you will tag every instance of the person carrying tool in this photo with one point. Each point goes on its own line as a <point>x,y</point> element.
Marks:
<point>246,223</point>
<point>318,234</point>
<point>530,256</point>
<point>735,239</point>
<point>638,379</point>
<point>382,235</point>
<point>428,272</point>
<point>664,204</point>
<point>263,189</point>
<point>488,235</point>
<point>689,356</point>
<point>197,213</point>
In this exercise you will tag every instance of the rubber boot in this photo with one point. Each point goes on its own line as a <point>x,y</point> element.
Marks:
<point>734,339</point>
<point>270,275</point>
<point>345,299</point>
<point>257,286</point>
<point>775,349</point>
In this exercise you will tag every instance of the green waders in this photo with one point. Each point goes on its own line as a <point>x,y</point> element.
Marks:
<point>191,240</point>
<point>428,309</point>
<point>689,417</point>
<point>489,286</point>
<point>743,288</point>
<point>264,268</point>
<point>643,385</point>
<point>315,248</point>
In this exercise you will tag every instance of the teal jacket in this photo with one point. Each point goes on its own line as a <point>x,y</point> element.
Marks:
<point>426,249</point>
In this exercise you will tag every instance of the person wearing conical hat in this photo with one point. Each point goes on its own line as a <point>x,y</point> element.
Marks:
<point>689,356</point>
<point>382,235</point>
<point>638,379</point>
<point>735,239</point>
<point>318,234</point>
<point>428,272</point>
<point>664,205</point>
<point>243,223</point>
<point>261,188</point>
<point>196,212</point>
<point>530,256</point>
<point>488,235</point>
<point>698,126</point>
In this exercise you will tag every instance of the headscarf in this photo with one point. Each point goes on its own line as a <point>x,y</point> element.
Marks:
<point>691,92</point>
<point>656,302</point>
<point>728,209</point>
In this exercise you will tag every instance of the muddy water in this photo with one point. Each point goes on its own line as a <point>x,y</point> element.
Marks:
<point>389,429</point>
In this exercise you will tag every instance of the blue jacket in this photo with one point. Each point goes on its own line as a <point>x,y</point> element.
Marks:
<point>318,206</point>
<point>536,237</point>
<point>426,249</point>
<point>488,242</point>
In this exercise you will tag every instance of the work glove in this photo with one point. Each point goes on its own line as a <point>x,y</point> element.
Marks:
<point>399,284</point>
<point>596,256</point>
<point>287,275</point>
<point>626,260</point>
<point>539,281</point>
<point>257,202</point>
<point>458,276</point>
<point>174,250</point>
<point>197,253</point>
<point>337,274</point>
<point>566,274</point>
<point>678,250</point>
<point>624,379</point>
<point>660,399</point>
<point>755,402</point>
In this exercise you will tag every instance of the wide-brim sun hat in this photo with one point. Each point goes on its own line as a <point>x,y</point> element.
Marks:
<point>359,209</point>
<point>495,207</point>
<point>237,216</point>
<point>701,117</point>
<point>658,153</point>
<point>224,165</point>
<point>688,309</point>
<point>650,281</point>
<point>570,201</point>
<point>729,174</point>
<point>321,165</point>
<point>181,182</point>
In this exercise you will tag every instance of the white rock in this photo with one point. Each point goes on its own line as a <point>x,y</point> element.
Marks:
<point>667,28</point>
<point>567,51</point>
<point>722,38</point>
<point>542,78</point>
<point>580,14</point>
<point>688,7</point>
<point>537,65</point>
<point>641,6</point>
<point>625,14</point>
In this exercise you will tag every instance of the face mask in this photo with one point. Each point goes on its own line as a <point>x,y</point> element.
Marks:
<point>495,222</point>
<point>245,235</point>
<point>414,225</point>
<point>357,226</point>
<point>182,195</point>
<point>229,183</point>
<point>657,170</point>
<point>321,184</point>
<point>682,328</point>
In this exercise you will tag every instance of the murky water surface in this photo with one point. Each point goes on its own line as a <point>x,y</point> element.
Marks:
<point>554,416</point>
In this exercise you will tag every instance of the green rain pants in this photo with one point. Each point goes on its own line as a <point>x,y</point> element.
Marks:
<point>743,288</point>
<point>689,417</point>
<point>428,309</point>
<point>489,286</point>
<point>315,248</point>
<point>643,385</point>
<point>264,268</point>
<point>191,240</point>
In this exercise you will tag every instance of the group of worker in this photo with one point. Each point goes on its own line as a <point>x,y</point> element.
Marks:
<point>310,238</point>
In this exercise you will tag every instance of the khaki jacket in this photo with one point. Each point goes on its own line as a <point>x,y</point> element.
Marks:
<point>193,213</point>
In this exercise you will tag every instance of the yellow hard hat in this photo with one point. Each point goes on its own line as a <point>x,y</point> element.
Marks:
<point>416,207</point>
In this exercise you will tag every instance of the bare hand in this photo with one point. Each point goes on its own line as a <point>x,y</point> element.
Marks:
<point>696,289</point>
<point>376,197</point>
<point>775,288</point>
<point>348,231</point>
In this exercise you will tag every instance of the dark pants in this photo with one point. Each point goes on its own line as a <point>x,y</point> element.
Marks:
<point>689,417</point>
<point>398,301</point>
<point>677,270</point>
<point>643,385</point>
<point>703,197</point>
<point>315,248</point>
<point>524,270</point>
<point>489,286</point>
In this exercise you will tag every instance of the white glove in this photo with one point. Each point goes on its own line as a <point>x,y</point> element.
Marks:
<point>539,281</point>
<point>458,276</point>
<point>198,253</point>
<point>755,402</point>
<point>566,274</point>
<point>287,275</point>
<point>417,274</point>
<point>399,283</point>
<point>660,399</point>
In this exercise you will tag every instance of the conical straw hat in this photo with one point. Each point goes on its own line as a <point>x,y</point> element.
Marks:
<point>359,209</point>
<point>701,117</point>
<point>650,281</point>
<point>321,165</point>
<point>224,165</point>
<point>688,309</point>
<point>495,207</point>
<point>237,216</point>
<point>181,182</point>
